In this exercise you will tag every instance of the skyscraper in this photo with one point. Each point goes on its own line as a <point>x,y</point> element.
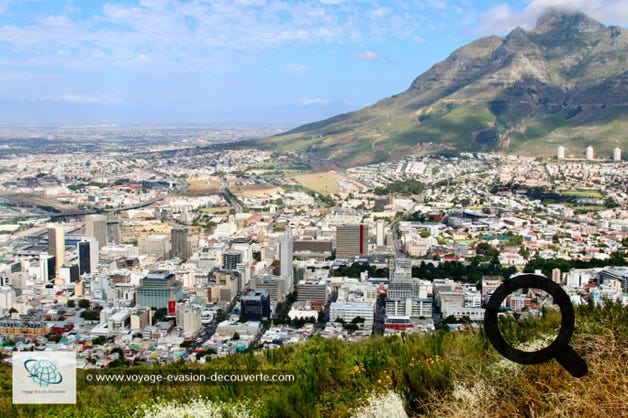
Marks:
<point>590,154</point>
<point>380,233</point>
<point>96,227</point>
<point>84,257</point>
<point>56,245</point>
<point>285,257</point>
<point>179,243</point>
<point>87,255</point>
<point>351,240</point>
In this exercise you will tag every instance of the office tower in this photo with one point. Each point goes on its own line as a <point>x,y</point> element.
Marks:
<point>96,227</point>
<point>113,232</point>
<point>590,153</point>
<point>380,234</point>
<point>84,262</point>
<point>351,240</point>
<point>230,259</point>
<point>56,245</point>
<point>285,257</point>
<point>157,289</point>
<point>560,152</point>
<point>87,255</point>
<point>69,273</point>
<point>46,266</point>
<point>617,154</point>
<point>179,243</point>
<point>255,306</point>
<point>156,245</point>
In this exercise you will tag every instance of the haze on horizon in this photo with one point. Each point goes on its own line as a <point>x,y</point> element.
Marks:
<point>254,61</point>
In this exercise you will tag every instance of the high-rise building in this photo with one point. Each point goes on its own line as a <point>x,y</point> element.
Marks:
<point>380,235</point>
<point>56,245</point>
<point>157,289</point>
<point>617,154</point>
<point>557,276</point>
<point>255,306</point>
<point>276,286</point>
<point>96,227</point>
<point>179,243</point>
<point>46,266</point>
<point>230,260</point>
<point>560,152</point>
<point>84,257</point>
<point>156,245</point>
<point>189,317</point>
<point>69,273</point>
<point>590,153</point>
<point>312,291</point>
<point>113,232</point>
<point>285,257</point>
<point>351,240</point>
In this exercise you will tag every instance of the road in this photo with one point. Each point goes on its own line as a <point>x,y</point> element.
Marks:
<point>229,197</point>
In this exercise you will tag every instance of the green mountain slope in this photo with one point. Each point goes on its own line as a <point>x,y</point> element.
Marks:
<point>563,83</point>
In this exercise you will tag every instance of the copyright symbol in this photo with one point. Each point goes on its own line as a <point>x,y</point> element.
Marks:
<point>88,377</point>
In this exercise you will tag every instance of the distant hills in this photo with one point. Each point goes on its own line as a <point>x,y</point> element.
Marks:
<point>563,83</point>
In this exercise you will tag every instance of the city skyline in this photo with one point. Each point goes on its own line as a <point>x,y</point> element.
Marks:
<point>246,61</point>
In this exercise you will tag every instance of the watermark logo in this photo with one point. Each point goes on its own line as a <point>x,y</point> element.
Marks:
<point>43,372</point>
<point>46,377</point>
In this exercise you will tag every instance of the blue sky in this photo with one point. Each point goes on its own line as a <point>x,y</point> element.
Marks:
<point>205,61</point>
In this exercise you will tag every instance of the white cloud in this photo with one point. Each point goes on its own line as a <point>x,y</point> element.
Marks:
<point>502,18</point>
<point>204,31</point>
<point>367,56</point>
<point>308,102</point>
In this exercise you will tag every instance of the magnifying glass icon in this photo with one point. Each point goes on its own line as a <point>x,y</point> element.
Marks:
<point>559,348</point>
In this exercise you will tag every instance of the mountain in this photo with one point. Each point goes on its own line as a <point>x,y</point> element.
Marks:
<point>565,82</point>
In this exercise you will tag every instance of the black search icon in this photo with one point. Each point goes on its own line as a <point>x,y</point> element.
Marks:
<point>559,348</point>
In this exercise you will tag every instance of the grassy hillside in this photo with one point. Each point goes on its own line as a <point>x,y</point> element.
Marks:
<point>443,374</point>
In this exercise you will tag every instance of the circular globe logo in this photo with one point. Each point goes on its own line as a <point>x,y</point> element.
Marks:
<point>43,372</point>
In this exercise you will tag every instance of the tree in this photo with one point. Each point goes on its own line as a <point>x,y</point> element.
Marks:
<point>515,240</point>
<point>236,336</point>
<point>71,303</point>
<point>100,340</point>
<point>83,303</point>
<point>425,233</point>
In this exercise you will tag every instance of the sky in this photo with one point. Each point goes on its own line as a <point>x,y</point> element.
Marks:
<point>238,61</point>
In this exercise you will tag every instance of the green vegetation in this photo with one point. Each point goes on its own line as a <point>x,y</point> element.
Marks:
<point>403,187</point>
<point>453,374</point>
<point>547,265</point>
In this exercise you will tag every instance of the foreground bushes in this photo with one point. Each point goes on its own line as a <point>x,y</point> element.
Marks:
<point>441,374</point>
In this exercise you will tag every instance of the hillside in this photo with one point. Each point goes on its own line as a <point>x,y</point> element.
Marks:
<point>563,83</point>
<point>452,374</point>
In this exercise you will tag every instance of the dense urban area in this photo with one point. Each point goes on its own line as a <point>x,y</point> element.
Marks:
<point>152,247</point>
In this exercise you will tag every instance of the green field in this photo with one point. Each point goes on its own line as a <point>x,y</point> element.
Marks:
<point>593,194</point>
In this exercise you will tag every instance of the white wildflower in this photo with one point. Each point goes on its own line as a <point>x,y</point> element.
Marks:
<point>389,405</point>
<point>475,395</point>
<point>195,408</point>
